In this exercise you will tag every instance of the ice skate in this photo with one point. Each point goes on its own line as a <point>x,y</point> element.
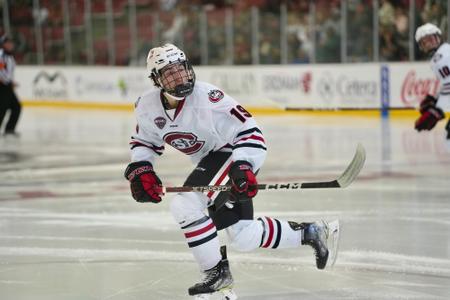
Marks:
<point>216,279</point>
<point>323,237</point>
<point>11,134</point>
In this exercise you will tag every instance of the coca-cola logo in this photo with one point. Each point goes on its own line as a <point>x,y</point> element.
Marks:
<point>414,89</point>
<point>185,142</point>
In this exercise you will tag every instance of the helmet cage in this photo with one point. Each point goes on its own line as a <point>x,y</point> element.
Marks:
<point>429,38</point>
<point>167,78</point>
<point>424,43</point>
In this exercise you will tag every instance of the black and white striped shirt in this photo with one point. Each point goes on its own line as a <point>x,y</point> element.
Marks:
<point>7,65</point>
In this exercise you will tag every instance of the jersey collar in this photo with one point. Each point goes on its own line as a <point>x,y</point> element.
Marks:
<point>177,109</point>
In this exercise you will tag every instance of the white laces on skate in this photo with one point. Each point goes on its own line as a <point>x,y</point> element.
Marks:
<point>209,277</point>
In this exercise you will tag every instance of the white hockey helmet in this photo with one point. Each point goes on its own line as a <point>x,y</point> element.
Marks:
<point>426,30</point>
<point>171,71</point>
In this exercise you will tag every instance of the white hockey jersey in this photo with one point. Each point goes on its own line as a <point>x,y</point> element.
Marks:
<point>207,120</point>
<point>440,64</point>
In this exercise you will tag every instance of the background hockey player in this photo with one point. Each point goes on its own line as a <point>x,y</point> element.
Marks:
<point>429,39</point>
<point>226,145</point>
<point>8,99</point>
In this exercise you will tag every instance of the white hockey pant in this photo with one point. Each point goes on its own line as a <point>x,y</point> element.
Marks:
<point>199,230</point>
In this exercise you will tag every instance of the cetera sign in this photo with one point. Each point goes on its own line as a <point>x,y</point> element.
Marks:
<point>345,86</point>
<point>348,87</point>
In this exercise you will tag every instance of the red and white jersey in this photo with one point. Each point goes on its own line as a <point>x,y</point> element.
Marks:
<point>207,120</point>
<point>440,64</point>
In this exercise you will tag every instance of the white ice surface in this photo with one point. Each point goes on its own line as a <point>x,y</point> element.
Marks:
<point>69,229</point>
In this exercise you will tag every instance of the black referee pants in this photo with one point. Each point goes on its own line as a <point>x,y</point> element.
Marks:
<point>9,101</point>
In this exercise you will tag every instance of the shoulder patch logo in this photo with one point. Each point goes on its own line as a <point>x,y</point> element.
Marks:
<point>437,57</point>
<point>160,122</point>
<point>215,95</point>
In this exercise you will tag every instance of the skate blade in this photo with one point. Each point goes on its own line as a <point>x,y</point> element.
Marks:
<point>202,297</point>
<point>333,242</point>
<point>228,293</point>
<point>225,294</point>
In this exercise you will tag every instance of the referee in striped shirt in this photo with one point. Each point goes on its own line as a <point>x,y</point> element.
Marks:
<point>8,98</point>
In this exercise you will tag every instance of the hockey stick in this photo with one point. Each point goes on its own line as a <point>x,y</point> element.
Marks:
<point>342,181</point>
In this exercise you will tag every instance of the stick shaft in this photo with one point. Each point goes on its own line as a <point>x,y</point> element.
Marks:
<point>342,181</point>
<point>272,186</point>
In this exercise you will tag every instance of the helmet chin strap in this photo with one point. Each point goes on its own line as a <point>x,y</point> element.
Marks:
<point>169,96</point>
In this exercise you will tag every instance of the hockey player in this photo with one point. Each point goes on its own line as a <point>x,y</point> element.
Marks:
<point>429,39</point>
<point>226,145</point>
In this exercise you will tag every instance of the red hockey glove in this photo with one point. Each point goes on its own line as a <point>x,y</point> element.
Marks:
<point>243,180</point>
<point>430,114</point>
<point>145,185</point>
<point>428,102</point>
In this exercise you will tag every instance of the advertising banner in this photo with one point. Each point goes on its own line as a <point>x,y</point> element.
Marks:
<point>322,86</point>
<point>306,86</point>
<point>81,84</point>
<point>347,86</point>
<point>410,83</point>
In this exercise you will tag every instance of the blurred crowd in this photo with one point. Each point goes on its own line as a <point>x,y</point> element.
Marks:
<point>221,31</point>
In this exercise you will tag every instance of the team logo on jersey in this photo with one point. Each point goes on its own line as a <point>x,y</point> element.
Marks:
<point>215,95</point>
<point>185,142</point>
<point>160,122</point>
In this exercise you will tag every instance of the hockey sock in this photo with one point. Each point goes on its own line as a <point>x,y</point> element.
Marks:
<point>279,234</point>
<point>202,238</point>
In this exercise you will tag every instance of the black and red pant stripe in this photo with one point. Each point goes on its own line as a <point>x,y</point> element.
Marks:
<point>200,232</point>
